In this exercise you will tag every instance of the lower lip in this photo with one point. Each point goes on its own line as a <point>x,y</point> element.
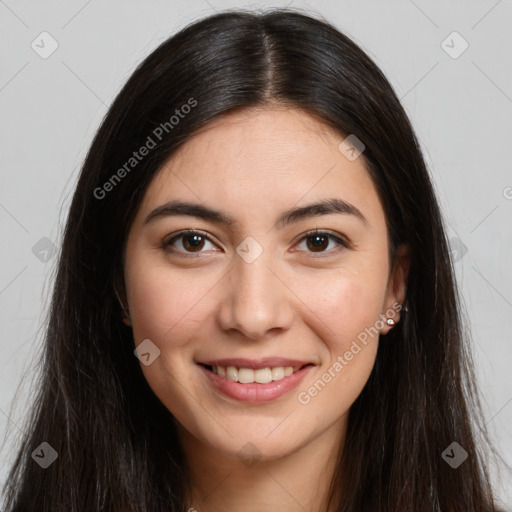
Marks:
<point>255,392</point>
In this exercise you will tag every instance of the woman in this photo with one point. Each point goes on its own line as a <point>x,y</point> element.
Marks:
<point>255,306</point>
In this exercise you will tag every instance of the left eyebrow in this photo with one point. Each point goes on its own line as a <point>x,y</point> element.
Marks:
<point>324,207</point>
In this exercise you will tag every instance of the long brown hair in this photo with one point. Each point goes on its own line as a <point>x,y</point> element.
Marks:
<point>116,443</point>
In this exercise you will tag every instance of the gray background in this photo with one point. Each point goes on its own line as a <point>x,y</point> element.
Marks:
<point>461,109</point>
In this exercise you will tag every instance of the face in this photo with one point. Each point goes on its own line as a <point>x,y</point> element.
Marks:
<point>255,291</point>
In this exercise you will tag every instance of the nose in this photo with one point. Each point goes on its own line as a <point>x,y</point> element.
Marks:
<point>257,299</point>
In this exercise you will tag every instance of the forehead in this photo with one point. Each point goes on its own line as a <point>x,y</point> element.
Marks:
<point>262,160</point>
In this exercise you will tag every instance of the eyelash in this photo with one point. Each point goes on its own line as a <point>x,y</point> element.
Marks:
<point>339,240</point>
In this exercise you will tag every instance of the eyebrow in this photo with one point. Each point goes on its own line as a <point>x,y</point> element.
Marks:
<point>324,207</point>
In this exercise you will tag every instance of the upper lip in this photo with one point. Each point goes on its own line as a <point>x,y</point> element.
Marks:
<point>255,364</point>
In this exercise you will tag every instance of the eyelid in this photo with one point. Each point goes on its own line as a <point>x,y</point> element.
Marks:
<point>337,237</point>
<point>176,236</point>
<point>340,239</point>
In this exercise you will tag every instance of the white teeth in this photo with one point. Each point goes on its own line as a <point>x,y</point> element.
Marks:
<point>263,375</point>
<point>245,375</point>
<point>248,375</point>
<point>278,373</point>
<point>232,373</point>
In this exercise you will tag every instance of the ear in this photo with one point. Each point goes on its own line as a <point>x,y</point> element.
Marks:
<point>397,286</point>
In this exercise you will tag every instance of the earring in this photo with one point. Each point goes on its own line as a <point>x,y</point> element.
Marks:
<point>390,321</point>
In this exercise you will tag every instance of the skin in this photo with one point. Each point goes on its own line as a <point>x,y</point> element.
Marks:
<point>293,301</point>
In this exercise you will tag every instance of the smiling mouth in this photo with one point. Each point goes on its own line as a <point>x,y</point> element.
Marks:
<point>250,376</point>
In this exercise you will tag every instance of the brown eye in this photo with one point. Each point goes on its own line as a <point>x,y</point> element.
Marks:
<point>190,242</point>
<point>319,241</point>
<point>193,242</point>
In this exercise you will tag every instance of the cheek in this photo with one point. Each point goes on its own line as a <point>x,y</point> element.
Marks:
<point>344,317</point>
<point>342,307</point>
<point>164,305</point>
